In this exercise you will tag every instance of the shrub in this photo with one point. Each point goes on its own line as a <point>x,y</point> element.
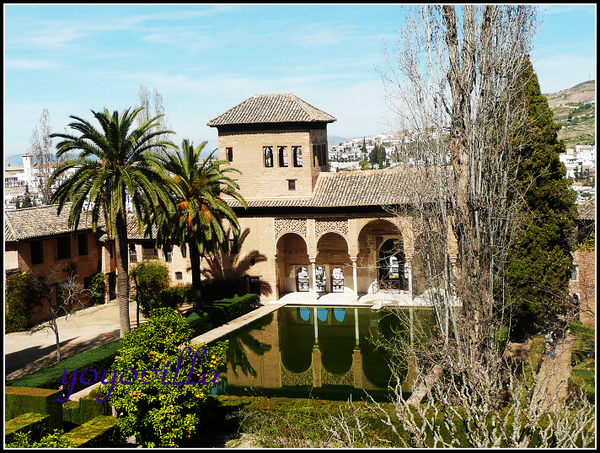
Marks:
<point>174,296</point>
<point>97,287</point>
<point>58,439</point>
<point>22,293</point>
<point>161,411</point>
<point>150,276</point>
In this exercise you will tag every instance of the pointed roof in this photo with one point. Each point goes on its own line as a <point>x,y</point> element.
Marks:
<point>272,108</point>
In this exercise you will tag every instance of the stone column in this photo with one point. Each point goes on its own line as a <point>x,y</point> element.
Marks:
<point>354,276</point>
<point>314,277</point>
<point>409,272</point>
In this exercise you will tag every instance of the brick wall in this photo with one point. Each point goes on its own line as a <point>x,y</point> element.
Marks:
<point>257,180</point>
<point>585,286</point>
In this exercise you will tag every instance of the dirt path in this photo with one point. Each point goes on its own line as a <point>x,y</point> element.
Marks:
<point>552,381</point>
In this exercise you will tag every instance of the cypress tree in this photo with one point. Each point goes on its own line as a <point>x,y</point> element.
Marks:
<point>540,263</point>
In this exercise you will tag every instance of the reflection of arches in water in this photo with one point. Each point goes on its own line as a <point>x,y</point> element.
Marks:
<point>339,314</point>
<point>322,313</point>
<point>296,338</point>
<point>304,313</point>
<point>391,265</point>
<point>337,280</point>
<point>373,326</point>
<point>337,342</point>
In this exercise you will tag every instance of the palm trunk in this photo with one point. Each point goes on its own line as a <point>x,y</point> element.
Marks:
<point>122,268</point>
<point>196,274</point>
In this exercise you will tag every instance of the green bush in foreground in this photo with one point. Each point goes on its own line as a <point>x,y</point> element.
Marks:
<point>58,439</point>
<point>150,391</point>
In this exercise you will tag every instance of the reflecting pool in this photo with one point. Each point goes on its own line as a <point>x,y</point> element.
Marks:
<point>310,351</point>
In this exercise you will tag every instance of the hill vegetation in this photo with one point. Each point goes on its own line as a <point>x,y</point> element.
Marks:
<point>575,110</point>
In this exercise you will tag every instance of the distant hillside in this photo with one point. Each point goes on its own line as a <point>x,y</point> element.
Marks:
<point>335,140</point>
<point>575,110</point>
<point>14,160</point>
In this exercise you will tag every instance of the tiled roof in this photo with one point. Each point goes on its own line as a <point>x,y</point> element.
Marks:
<point>133,232</point>
<point>272,108</point>
<point>42,221</point>
<point>357,188</point>
<point>586,210</point>
<point>39,222</point>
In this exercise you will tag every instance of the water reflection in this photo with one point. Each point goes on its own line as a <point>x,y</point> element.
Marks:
<point>328,352</point>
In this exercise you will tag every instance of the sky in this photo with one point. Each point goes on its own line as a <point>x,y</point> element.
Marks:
<point>206,58</point>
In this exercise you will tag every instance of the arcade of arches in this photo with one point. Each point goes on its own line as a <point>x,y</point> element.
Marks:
<point>350,255</point>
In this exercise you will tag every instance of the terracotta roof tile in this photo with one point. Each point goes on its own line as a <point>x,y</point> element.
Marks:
<point>40,221</point>
<point>43,221</point>
<point>272,108</point>
<point>586,210</point>
<point>360,188</point>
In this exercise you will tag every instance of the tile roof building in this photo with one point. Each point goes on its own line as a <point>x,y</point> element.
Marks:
<point>40,241</point>
<point>319,231</point>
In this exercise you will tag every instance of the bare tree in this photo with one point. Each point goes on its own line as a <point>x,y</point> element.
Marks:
<point>62,298</point>
<point>43,156</point>
<point>456,80</point>
<point>153,105</point>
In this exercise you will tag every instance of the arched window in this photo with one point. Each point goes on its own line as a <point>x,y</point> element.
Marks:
<point>337,280</point>
<point>302,279</point>
<point>297,156</point>
<point>321,280</point>
<point>282,151</point>
<point>268,156</point>
<point>391,265</point>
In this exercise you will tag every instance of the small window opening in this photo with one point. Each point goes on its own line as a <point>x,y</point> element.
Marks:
<point>283,162</point>
<point>268,156</point>
<point>297,156</point>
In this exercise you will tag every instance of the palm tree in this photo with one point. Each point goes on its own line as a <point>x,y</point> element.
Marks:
<point>115,165</point>
<point>198,211</point>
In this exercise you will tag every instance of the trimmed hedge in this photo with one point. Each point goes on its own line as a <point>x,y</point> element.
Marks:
<point>84,410</point>
<point>51,376</point>
<point>212,291</point>
<point>199,321</point>
<point>225,310</point>
<point>37,424</point>
<point>23,400</point>
<point>102,431</point>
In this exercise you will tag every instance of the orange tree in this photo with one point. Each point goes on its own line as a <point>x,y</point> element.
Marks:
<point>159,383</point>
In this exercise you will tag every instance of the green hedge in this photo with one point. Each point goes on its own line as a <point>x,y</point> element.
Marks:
<point>225,310</point>
<point>23,400</point>
<point>84,410</point>
<point>51,376</point>
<point>37,424</point>
<point>212,291</point>
<point>102,431</point>
<point>200,322</point>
